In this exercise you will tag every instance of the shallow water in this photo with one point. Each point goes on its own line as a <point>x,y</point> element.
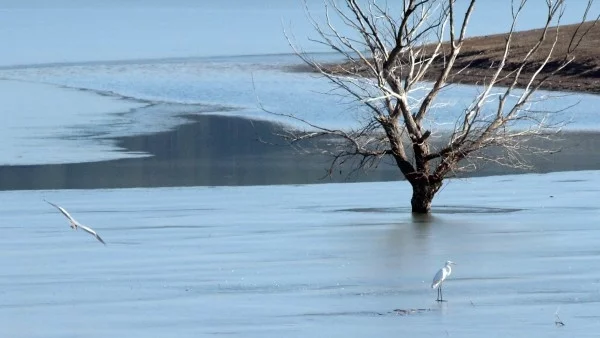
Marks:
<point>106,101</point>
<point>330,260</point>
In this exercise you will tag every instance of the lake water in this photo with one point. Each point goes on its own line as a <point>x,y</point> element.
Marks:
<point>178,58</point>
<point>88,87</point>
<point>92,104</point>
<point>37,31</point>
<point>332,260</point>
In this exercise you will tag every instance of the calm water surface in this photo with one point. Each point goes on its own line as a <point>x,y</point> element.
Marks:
<point>304,261</point>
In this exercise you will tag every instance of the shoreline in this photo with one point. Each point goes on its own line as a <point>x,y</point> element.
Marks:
<point>220,150</point>
<point>478,77</point>
<point>479,54</point>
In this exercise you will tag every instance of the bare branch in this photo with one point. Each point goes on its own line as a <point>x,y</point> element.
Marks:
<point>455,46</point>
<point>388,52</point>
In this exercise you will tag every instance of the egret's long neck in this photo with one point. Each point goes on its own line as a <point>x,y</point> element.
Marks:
<point>449,268</point>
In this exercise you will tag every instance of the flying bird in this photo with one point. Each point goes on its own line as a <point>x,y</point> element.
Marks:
<point>439,278</point>
<point>74,224</point>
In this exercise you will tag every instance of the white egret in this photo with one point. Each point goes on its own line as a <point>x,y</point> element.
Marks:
<point>74,224</point>
<point>439,278</point>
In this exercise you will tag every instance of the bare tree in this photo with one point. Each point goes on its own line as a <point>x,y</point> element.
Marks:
<point>389,55</point>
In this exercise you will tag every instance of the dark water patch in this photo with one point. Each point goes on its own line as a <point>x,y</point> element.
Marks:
<point>210,150</point>
<point>213,150</point>
<point>437,210</point>
<point>570,181</point>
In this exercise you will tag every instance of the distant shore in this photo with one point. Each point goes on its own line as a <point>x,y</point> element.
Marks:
<point>232,151</point>
<point>479,55</point>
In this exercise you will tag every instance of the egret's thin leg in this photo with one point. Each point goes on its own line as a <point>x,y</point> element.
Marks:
<point>441,294</point>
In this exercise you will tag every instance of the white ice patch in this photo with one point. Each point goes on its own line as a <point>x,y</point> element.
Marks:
<point>43,124</point>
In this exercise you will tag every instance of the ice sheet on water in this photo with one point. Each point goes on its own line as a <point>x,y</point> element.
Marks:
<point>239,83</point>
<point>47,124</point>
<point>158,93</point>
<point>270,261</point>
<point>41,122</point>
<point>243,82</point>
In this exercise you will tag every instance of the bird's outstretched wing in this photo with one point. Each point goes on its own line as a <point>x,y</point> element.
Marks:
<point>64,212</point>
<point>91,232</point>
<point>85,228</point>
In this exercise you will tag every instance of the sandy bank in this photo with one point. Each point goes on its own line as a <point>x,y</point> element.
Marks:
<point>480,57</point>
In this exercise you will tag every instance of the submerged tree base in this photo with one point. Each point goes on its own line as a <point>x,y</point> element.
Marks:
<point>424,191</point>
<point>421,208</point>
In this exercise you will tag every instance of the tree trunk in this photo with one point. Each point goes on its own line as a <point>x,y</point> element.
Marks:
<point>423,193</point>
